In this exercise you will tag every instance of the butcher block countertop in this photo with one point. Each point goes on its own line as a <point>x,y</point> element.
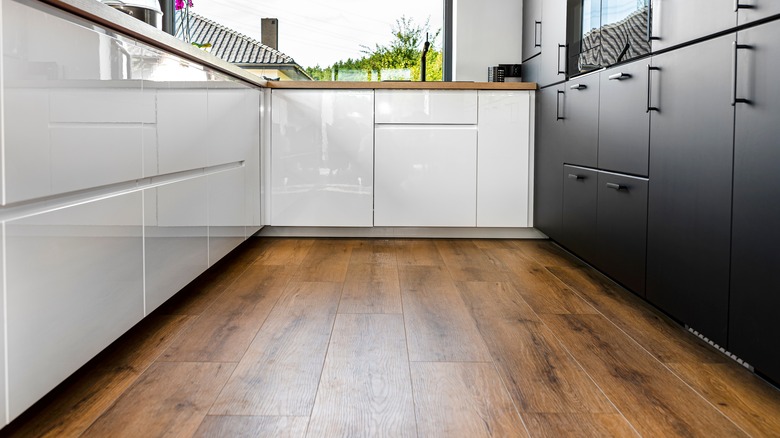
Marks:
<point>401,85</point>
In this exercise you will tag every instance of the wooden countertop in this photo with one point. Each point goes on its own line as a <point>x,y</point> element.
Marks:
<point>402,85</point>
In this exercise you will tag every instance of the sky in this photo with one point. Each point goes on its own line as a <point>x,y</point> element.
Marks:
<point>322,32</point>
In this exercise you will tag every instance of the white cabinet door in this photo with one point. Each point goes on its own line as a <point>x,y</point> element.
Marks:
<point>227,216</point>
<point>322,158</point>
<point>182,129</point>
<point>504,162</point>
<point>3,416</point>
<point>458,107</point>
<point>74,284</point>
<point>426,176</point>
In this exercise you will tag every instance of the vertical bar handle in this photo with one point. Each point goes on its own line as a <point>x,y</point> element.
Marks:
<point>537,31</point>
<point>561,46</point>
<point>735,52</point>
<point>558,115</point>
<point>650,106</point>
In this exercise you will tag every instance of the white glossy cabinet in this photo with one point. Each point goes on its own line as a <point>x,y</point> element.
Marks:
<point>181,128</point>
<point>322,158</point>
<point>504,174</point>
<point>74,283</point>
<point>226,212</point>
<point>457,107</point>
<point>3,416</point>
<point>425,176</point>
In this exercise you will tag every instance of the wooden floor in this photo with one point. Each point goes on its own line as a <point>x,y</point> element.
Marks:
<point>396,338</point>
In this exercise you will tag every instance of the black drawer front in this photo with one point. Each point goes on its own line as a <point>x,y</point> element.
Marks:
<point>578,223</point>
<point>580,113</point>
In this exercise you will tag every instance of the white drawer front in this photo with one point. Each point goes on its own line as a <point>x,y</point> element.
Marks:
<point>447,107</point>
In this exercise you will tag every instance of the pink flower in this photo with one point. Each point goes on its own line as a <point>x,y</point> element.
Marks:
<point>179,5</point>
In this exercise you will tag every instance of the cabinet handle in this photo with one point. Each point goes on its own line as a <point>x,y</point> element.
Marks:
<point>650,36</point>
<point>738,6</point>
<point>538,31</point>
<point>619,76</point>
<point>735,51</point>
<point>573,176</point>
<point>578,87</point>
<point>650,69</point>
<point>561,72</point>
<point>615,186</point>
<point>558,115</point>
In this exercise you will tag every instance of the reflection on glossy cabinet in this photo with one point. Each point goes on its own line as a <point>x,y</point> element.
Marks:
<point>503,158</point>
<point>675,21</point>
<point>233,122</point>
<point>426,176</point>
<point>181,129</point>
<point>176,237</point>
<point>322,158</point>
<point>426,106</point>
<point>60,313</point>
<point>227,216</point>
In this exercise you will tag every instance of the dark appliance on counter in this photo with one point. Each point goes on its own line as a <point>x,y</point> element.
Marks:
<point>601,33</point>
<point>504,73</point>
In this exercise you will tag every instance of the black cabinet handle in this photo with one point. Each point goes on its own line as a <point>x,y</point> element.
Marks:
<point>578,87</point>
<point>738,6</point>
<point>650,69</point>
<point>619,76</point>
<point>558,115</point>
<point>561,46</point>
<point>650,36</point>
<point>574,176</point>
<point>615,186</point>
<point>537,31</point>
<point>735,52</point>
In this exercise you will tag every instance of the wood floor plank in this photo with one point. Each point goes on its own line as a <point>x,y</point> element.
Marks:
<point>743,397</point>
<point>662,337</point>
<point>227,327</point>
<point>73,407</point>
<point>578,425</point>
<point>466,262</point>
<point>538,287</point>
<point>326,261</point>
<point>170,399</point>
<point>438,324</point>
<point>417,252</point>
<point>374,251</point>
<point>495,243</point>
<point>285,252</point>
<point>463,400</point>
<point>539,374</point>
<point>653,399</point>
<point>371,288</point>
<point>365,389</point>
<point>251,426</point>
<point>280,371</point>
<point>548,254</point>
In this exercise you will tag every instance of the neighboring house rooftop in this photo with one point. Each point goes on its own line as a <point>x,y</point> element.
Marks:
<point>237,48</point>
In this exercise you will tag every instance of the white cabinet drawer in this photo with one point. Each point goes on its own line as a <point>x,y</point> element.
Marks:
<point>444,107</point>
<point>112,105</point>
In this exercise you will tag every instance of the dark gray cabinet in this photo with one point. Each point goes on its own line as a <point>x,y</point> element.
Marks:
<point>689,208</point>
<point>752,10</point>
<point>624,123</point>
<point>754,326</point>
<point>621,231</point>
<point>578,219</point>
<point>552,66</point>
<point>532,28</point>
<point>678,21</point>
<point>581,121</point>
<point>531,69</point>
<point>548,187</point>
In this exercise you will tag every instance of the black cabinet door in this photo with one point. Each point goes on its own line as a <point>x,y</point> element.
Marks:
<point>548,187</point>
<point>754,326</point>
<point>689,207</point>
<point>553,58</point>
<point>581,121</point>
<point>678,21</point>
<point>622,229</point>
<point>532,28</point>
<point>752,10</point>
<point>624,123</point>
<point>578,220</point>
<point>531,69</point>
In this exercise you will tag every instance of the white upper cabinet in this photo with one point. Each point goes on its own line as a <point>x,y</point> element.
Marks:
<point>322,158</point>
<point>451,107</point>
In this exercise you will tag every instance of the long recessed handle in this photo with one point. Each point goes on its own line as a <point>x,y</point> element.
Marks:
<point>558,115</point>
<point>650,106</point>
<point>537,31</point>
<point>735,52</point>
<point>615,186</point>
<point>561,72</point>
<point>619,76</point>
<point>578,87</point>
<point>575,176</point>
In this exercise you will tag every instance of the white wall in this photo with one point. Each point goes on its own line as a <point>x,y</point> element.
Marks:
<point>486,33</point>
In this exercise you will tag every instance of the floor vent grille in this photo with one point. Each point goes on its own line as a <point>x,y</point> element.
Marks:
<point>721,349</point>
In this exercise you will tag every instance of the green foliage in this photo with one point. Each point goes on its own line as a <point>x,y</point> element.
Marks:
<point>403,52</point>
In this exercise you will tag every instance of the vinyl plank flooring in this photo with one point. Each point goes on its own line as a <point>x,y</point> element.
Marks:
<point>285,252</point>
<point>463,400</point>
<point>365,389</point>
<point>578,425</point>
<point>417,252</point>
<point>548,254</point>
<point>739,394</point>
<point>662,337</point>
<point>542,290</point>
<point>326,261</point>
<point>539,374</point>
<point>495,243</point>
<point>225,330</point>
<point>73,407</point>
<point>653,399</point>
<point>280,371</point>
<point>170,399</point>
<point>374,251</point>
<point>249,426</point>
<point>438,324</point>
<point>371,288</point>
<point>466,262</point>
